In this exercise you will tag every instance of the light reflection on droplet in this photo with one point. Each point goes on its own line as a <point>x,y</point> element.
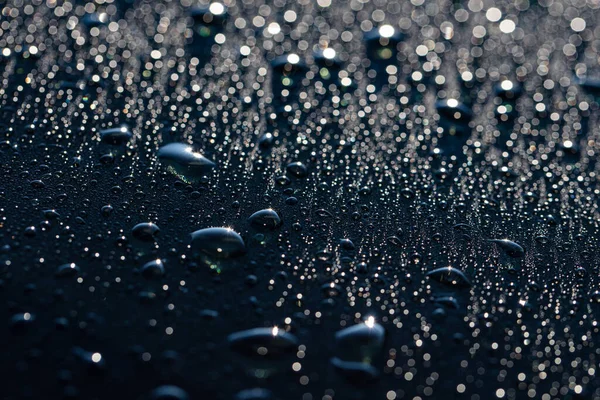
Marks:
<point>386,31</point>
<point>216,8</point>
<point>329,53</point>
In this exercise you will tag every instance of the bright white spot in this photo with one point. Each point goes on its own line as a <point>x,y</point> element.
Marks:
<point>370,322</point>
<point>293,58</point>
<point>422,50</point>
<point>275,331</point>
<point>220,38</point>
<point>507,26</point>
<point>452,103</point>
<point>329,53</point>
<point>386,31</point>
<point>506,85</point>
<point>96,357</point>
<point>493,14</point>
<point>578,24</point>
<point>290,16</point>
<point>216,8</point>
<point>273,28</point>
<point>417,76</point>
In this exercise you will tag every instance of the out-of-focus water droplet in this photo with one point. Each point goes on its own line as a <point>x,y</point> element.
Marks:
<point>511,248</point>
<point>453,110</point>
<point>169,392</point>
<point>360,342</point>
<point>153,269</point>
<point>116,136</point>
<point>266,141</point>
<point>356,372</point>
<point>67,270</point>
<point>51,214</point>
<point>254,394</point>
<point>263,342</point>
<point>450,276</point>
<point>19,322</point>
<point>297,169</point>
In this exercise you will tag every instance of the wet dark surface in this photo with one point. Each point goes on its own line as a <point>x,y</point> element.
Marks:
<point>299,200</point>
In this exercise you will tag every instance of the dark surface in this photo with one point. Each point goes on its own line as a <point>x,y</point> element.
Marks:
<point>459,249</point>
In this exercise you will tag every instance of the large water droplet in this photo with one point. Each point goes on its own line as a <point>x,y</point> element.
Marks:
<point>145,231</point>
<point>355,371</point>
<point>450,276</point>
<point>265,220</point>
<point>511,248</point>
<point>361,342</point>
<point>263,342</point>
<point>218,242</point>
<point>67,270</point>
<point>153,269</point>
<point>168,392</point>
<point>116,136</point>
<point>184,162</point>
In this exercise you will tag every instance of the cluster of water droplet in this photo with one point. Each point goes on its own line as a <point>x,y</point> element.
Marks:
<point>307,199</point>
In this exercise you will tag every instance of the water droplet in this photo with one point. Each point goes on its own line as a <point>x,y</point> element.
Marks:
<point>153,269</point>
<point>360,342</point>
<point>218,242</point>
<point>116,136</point>
<point>145,231</point>
<point>297,169</point>
<point>67,270</point>
<point>183,161</point>
<point>450,276</point>
<point>254,394</point>
<point>265,220</point>
<point>511,248</point>
<point>354,371</point>
<point>263,342</point>
<point>168,392</point>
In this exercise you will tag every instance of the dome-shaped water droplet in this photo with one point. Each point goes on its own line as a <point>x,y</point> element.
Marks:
<point>355,371</point>
<point>254,394</point>
<point>361,342</point>
<point>169,392</point>
<point>183,161</point>
<point>145,231</point>
<point>263,342</point>
<point>218,242</point>
<point>116,136</point>
<point>511,248</point>
<point>297,169</point>
<point>67,270</point>
<point>153,269</point>
<point>265,220</point>
<point>450,276</point>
